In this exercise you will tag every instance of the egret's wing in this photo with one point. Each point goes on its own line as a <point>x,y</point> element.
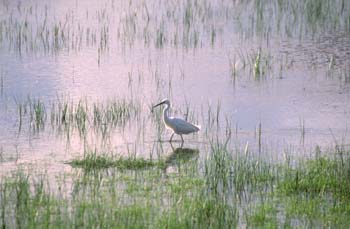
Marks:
<point>183,127</point>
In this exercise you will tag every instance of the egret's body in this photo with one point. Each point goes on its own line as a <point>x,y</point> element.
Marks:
<point>177,125</point>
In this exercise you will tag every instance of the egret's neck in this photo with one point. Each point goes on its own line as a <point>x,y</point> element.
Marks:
<point>166,114</point>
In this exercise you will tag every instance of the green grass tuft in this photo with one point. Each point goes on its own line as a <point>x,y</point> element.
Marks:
<point>92,161</point>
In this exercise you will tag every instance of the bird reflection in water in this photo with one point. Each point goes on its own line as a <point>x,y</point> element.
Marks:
<point>180,156</point>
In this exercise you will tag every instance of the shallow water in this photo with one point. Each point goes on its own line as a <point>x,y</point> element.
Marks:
<point>200,55</point>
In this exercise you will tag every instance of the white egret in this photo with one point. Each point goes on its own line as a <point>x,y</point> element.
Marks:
<point>177,125</point>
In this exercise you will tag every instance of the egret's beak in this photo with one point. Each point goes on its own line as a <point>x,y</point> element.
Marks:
<point>157,105</point>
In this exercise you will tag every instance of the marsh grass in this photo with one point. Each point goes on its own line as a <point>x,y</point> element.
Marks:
<point>187,24</point>
<point>25,202</point>
<point>319,177</point>
<point>231,189</point>
<point>2,74</point>
<point>263,215</point>
<point>96,160</point>
<point>66,116</point>
<point>37,113</point>
<point>261,64</point>
<point>316,191</point>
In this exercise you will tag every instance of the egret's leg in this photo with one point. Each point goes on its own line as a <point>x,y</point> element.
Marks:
<point>172,136</point>
<point>182,139</point>
<point>182,144</point>
<point>172,147</point>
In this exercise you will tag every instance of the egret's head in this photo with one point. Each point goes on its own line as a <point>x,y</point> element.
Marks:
<point>164,101</point>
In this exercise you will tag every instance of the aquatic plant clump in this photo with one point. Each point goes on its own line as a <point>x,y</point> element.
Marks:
<point>93,160</point>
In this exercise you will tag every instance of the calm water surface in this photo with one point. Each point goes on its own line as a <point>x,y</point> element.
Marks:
<point>203,56</point>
